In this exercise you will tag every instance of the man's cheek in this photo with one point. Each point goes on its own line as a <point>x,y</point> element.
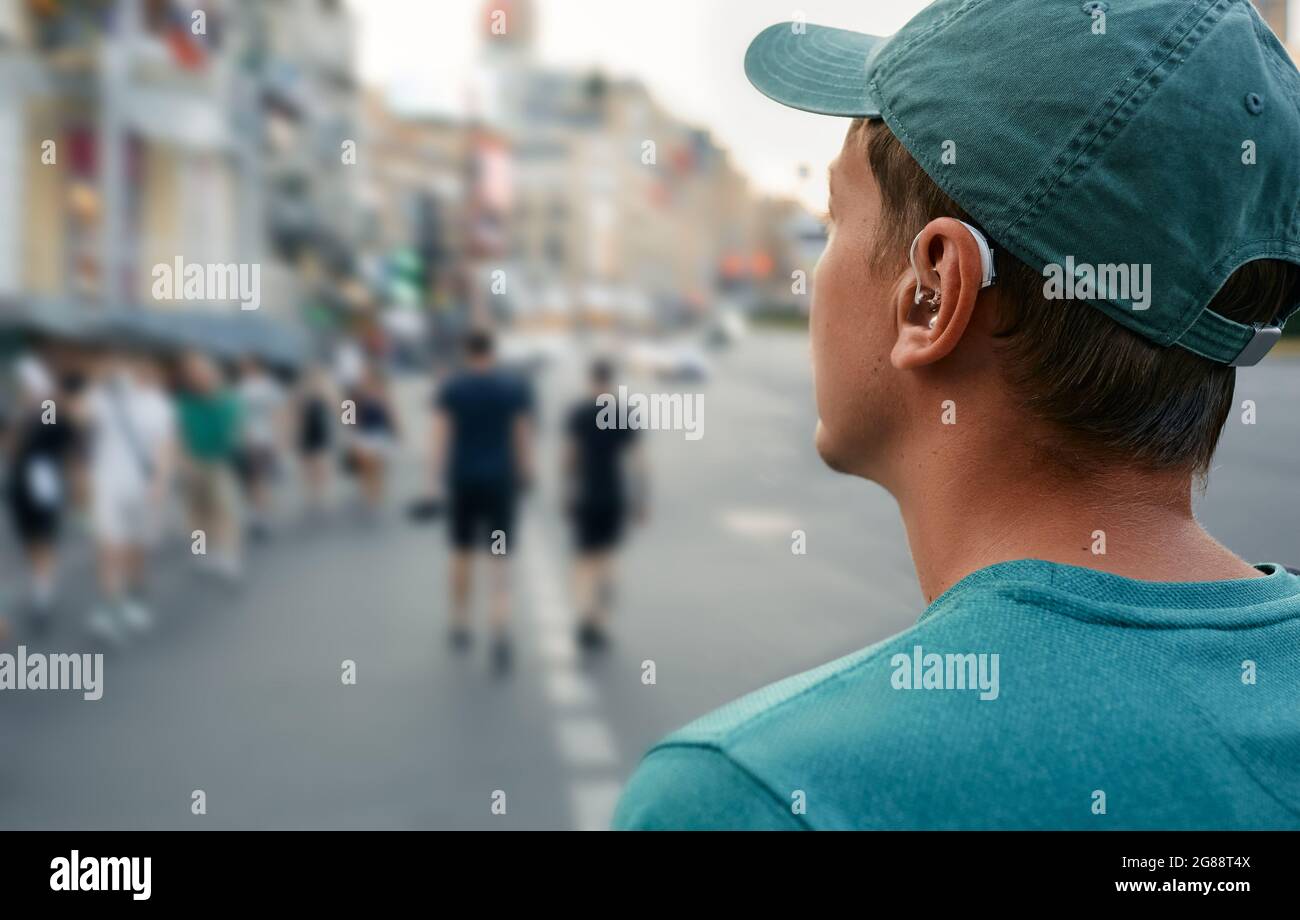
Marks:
<point>823,290</point>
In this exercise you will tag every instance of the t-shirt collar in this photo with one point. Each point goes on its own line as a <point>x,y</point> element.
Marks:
<point>1090,594</point>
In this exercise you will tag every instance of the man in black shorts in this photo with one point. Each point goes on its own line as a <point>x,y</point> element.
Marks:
<point>482,450</point>
<point>600,499</point>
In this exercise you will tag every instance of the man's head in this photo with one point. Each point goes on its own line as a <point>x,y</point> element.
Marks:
<point>200,373</point>
<point>600,375</point>
<point>1087,390</point>
<point>479,348</point>
<point>250,366</point>
<point>123,361</point>
<point>1131,166</point>
<point>146,368</point>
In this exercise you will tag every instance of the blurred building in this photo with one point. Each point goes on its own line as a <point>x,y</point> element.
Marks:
<point>310,108</point>
<point>117,146</point>
<point>134,132</point>
<point>415,197</point>
<point>437,192</point>
<point>789,244</point>
<point>618,210</point>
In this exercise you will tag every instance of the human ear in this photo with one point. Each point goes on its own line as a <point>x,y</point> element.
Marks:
<point>934,309</point>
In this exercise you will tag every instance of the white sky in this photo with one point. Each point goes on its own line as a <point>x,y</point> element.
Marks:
<point>688,52</point>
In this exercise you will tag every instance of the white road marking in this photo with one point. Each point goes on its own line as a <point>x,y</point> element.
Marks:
<point>593,804</point>
<point>757,523</point>
<point>582,735</point>
<point>569,689</point>
<point>558,650</point>
<point>585,741</point>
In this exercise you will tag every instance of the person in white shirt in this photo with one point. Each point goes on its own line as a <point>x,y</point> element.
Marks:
<point>263,403</point>
<point>133,454</point>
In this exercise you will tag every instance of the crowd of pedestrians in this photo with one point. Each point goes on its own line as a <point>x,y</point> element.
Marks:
<point>145,447</point>
<point>140,446</point>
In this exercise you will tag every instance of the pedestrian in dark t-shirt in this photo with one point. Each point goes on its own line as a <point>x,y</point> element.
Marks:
<point>482,435</point>
<point>601,495</point>
<point>41,438</point>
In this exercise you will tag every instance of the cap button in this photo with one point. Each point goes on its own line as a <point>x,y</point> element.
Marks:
<point>1254,103</point>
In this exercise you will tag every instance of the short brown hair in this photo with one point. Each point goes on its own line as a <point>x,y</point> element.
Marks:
<point>1109,393</point>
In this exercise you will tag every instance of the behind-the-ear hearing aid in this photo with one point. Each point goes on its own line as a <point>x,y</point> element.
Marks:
<point>989,269</point>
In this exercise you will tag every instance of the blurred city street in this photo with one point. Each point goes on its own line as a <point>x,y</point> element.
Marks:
<point>318,284</point>
<point>238,692</point>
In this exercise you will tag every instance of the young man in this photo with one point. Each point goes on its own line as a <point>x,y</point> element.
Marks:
<point>132,458</point>
<point>482,451</point>
<point>600,498</point>
<point>1091,657</point>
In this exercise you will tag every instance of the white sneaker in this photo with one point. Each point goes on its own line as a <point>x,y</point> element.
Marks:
<point>136,617</point>
<point>102,625</point>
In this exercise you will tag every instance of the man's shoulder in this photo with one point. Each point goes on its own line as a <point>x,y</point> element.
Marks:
<point>836,746</point>
<point>868,676</point>
<point>451,384</point>
<point>497,383</point>
<point>732,767</point>
<point>785,701</point>
<point>583,415</point>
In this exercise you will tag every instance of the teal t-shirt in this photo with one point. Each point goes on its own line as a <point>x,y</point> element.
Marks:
<point>1111,703</point>
<point>210,425</point>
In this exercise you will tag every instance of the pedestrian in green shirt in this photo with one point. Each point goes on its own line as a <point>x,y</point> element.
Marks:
<point>210,430</point>
<point>210,423</point>
<point>1053,236</point>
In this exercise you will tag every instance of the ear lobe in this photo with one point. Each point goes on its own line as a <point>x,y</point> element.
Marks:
<point>947,274</point>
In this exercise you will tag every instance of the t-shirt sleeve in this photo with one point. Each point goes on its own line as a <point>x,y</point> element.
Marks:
<point>579,419</point>
<point>524,399</point>
<point>447,395</point>
<point>698,788</point>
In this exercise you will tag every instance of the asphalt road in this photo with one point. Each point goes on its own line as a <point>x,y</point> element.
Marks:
<point>238,692</point>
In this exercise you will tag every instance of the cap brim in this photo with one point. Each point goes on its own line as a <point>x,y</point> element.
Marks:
<point>814,68</point>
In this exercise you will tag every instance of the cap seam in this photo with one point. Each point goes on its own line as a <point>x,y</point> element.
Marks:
<point>1284,247</point>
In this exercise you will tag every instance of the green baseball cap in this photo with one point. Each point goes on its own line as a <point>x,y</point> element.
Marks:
<point>1100,140</point>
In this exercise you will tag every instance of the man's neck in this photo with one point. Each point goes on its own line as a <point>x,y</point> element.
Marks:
<point>994,506</point>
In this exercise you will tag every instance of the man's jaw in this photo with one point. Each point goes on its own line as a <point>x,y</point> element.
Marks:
<point>836,455</point>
